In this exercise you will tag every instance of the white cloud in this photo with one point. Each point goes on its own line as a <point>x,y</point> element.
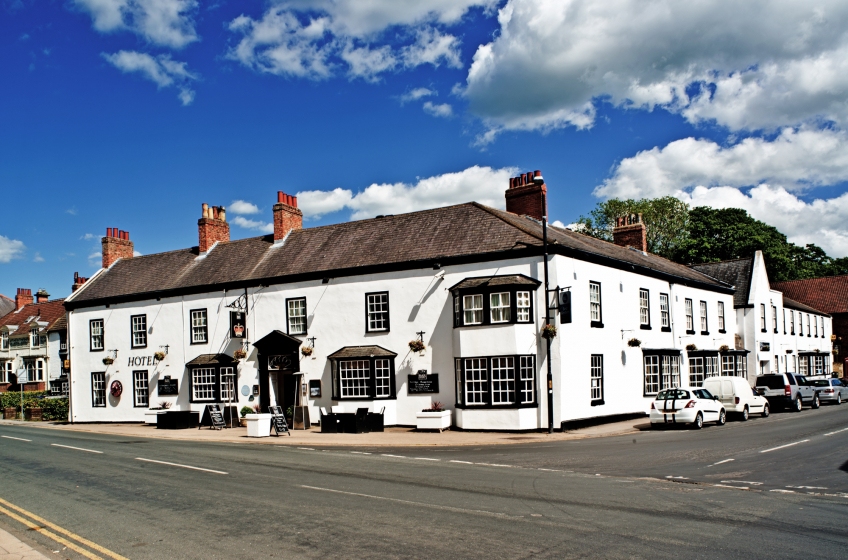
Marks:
<point>243,207</point>
<point>762,65</point>
<point>313,38</point>
<point>10,249</point>
<point>89,237</point>
<point>72,211</point>
<point>416,94</point>
<point>245,223</point>
<point>167,23</point>
<point>441,110</point>
<point>38,258</point>
<point>481,184</point>
<point>161,70</point>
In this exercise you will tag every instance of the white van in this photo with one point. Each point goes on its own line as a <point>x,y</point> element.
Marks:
<point>737,396</point>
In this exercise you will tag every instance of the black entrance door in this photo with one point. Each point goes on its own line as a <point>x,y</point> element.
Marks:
<point>287,397</point>
<point>278,355</point>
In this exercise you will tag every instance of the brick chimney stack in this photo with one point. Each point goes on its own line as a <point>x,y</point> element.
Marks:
<point>629,231</point>
<point>23,297</point>
<point>526,197</point>
<point>212,227</point>
<point>286,216</point>
<point>116,245</point>
<point>41,296</point>
<point>78,282</point>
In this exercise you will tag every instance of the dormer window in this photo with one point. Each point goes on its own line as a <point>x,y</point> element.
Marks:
<point>4,340</point>
<point>33,337</point>
<point>493,300</point>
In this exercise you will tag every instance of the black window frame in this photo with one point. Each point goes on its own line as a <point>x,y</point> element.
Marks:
<point>486,295</point>
<point>460,383</point>
<point>722,319</point>
<point>372,378</point>
<point>702,306</point>
<point>690,315</point>
<point>91,347</point>
<point>763,318</point>
<point>774,318</point>
<point>305,317</point>
<point>660,353</point>
<point>600,401</point>
<point>645,326</point>
<point>599,324</point>
<point>387,312</point>
<point>216,399</point>
<point>191,326</point>
<point>132,331</point>
<point>105,392</point>
<point>665,314</point>
<point>147,376</point>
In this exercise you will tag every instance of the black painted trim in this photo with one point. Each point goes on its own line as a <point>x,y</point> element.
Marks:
<point>488,404</point>
<point>597,402</point>
<point>722,331</point>
<point>665,329</point>
<point>487,305</point>
<point>132,337</point>
<point>705,333</point>
<point>688,331</point>
<point>596,325</point>
<point>217,390</point>
<point>191,327</point>
<point>305,317</point>
<point>388,313</point>
<point>372,378</point>
<point>105,390</point>
<point>147,374</point>
<point>102,336</point>
<point>599,324</point>
<point>645,327</point>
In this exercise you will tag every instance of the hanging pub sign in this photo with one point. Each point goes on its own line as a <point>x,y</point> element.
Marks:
<point>421,382</point>
<point>237,324</point>
<point>564,305</point>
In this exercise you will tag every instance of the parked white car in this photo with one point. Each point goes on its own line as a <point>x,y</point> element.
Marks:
<point>687,406</point>
<point>737,396</point>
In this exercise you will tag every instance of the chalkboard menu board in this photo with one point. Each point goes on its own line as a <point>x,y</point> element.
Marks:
<point>168,386</point>
<point>216,416</point>
<point>280,425</point>
<point>422,382</point>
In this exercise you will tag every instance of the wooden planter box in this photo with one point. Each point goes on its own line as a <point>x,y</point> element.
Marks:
<point>434,420</point>
<point>9,413</point>
<point>33,414</point>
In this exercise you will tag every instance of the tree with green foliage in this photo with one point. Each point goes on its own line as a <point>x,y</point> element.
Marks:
<point>666,220</point>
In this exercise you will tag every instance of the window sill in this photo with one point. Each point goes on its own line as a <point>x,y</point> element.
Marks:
<point>722,331</point>
<point>763,330</point>
<point>666,329</point>
<point>598,402</point>
<point>138,347</point>
<point>775,332</point>
<point>645,327</point>
<point>596,325</point>
<point>705,333</point>
<point>690,331</point>
<point>496,406</point>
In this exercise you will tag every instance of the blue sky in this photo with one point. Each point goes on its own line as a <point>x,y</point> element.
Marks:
<point>131,113</point>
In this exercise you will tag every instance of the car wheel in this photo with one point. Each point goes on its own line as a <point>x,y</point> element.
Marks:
<point>816,402</point>
<point>745,413</point>
<point>722,417</point>
<point>699,422</point>
<point>797,405</point>
<point>838,398</point>
<point>766,411</point>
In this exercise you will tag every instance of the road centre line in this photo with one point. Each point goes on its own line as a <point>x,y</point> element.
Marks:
<point>728,486</point>
<point>307,448</point>
<point>742,482</point>
<point>77,448</point>
<point>17,438</point>
<point>44,523</point>
<point>783,446</point>
<point>395,456</point>
<point>721,462</point>
<point>419,504</point>
<point>360,453</point>
<point>179,465</point>
<point>461,462</point>
<point>809,487</point>
<point>836,432</point>
<point>426,459</point>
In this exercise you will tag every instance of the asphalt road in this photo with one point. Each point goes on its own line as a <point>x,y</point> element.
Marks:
<point>598,498</point>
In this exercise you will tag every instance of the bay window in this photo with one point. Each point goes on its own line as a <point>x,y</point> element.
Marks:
<point>496,382</point>
<point>493,300</point>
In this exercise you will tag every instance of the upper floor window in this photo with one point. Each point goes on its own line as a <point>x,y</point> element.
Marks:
<point>95,329</point>
<point>199,327</point>
<point>702,308</point>
<point>33,337</point>
<point>791,321</point>
<point>4,340</point>
<point>296,315</point>
<point>522,304</point>
<point>644,308</point>
<point>690,319</point>
<point>784,321</point>
<point>377,311</point>
<point>472,307</point>
<point>595,314</point>
<point>499,307</point>
<point>774,318</point>
<point>721,316</point>
<point>816,323</point>
<point>665,321</point>
<point>763,317</point>
<point>139,331</point>
<point>809,333</point>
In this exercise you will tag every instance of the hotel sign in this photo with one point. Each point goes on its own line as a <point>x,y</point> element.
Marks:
<point>141,361</point>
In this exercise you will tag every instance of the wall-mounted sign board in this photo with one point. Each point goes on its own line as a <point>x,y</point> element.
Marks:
<point>422,382</point>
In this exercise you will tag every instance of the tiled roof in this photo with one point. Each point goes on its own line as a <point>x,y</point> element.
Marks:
<point>736,272</point>
<point>361,352</point>
<point>6,305</point>
<point>50,312</point>
<point>211,360</point>
<point>511,280</point>
<point>792,304</point>
<point>461,233</point>
<point>830,294</point>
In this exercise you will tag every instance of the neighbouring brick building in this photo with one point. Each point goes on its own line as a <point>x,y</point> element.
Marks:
<point>829,294</point>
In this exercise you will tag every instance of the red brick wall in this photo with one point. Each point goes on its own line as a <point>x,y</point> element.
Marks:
<point>210,231</point>
<point>840,329</point>
<point>527,200</point>
<point>286,218</point>
<point>633,235</point>
<point>115,248</point>
<point>23,297</point>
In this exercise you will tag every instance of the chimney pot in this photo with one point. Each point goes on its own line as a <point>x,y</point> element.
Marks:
<point>212,227</point>
<point>24,297</point>
<point>525,197</point>
<point>279,196</point>
<point>629,231</point>
<point>294,201</point>
<point>286,216</point>
<point>116,245</point>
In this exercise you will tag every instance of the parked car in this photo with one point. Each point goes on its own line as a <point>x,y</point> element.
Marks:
<point>831,390</point>
<point>687,406</point>
<point>787,390</point>
<point>737,396</point>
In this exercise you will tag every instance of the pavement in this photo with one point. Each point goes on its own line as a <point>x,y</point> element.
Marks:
<point>11,548</point>
<point>392,437</point>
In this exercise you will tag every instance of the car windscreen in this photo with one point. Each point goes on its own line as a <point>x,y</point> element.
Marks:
<point>771,381</point>
<point>672,394</point>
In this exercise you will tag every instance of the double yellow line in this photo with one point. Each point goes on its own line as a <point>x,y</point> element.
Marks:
<point>41,525</point>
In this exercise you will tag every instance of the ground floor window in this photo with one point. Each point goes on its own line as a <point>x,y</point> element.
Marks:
<point>140,389</point>
<point>496,381</point>
<point>734,365</point>
<point>6,372</point>
<point>203,384</point>
<point>214,383</point>
<point>596,372</point>
<point>367,377</point>
<point>813,364</point>
<point>702,367</point>
<point>34,370</point>
<point>98,389</point>
<point>228,384</point>
<point>662,371</point>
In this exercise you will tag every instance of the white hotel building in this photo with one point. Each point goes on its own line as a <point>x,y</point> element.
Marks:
<point>466,279</point>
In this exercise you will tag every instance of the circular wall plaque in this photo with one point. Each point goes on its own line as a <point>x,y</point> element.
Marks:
<point>116,388</point>
<point>245,390</point>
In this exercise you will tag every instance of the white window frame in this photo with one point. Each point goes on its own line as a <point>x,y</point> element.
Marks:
<point>98,389</point>
<point>596,378</point>
<point>138,325</point>
<point>33,337</point>
<point>4,340</point>
<point>595,311</point>
<point>652,374</point>
<point>476,381</point>
<point>721,316</point>
<point>503,380</point>
<point>354,379</point>
<point>199,326</point>
<point>792,322</point>
<point>96,331</point>
<point>203,384</point>
<point>690,318</point>
<point>702,309</point>
<point>644,308</point>
<point>296,315</point>
<point>382,378</point>
<point>527,372</point>
<point>377,312</point>
<point>522,307</point>
<point>664,315</point>
<point>141,389</point>
<point>499,307</point>
<point>227,384</point>
<point>763,317</point>
<point>809,332</point>
<point>696,371</point>
<point>774,318</point>
<point>472,309</point>
<point>39,370</point>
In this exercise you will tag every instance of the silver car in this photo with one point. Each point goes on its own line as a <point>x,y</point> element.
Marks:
<point>831,390</point>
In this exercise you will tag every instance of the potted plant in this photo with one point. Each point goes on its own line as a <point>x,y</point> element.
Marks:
<point>245,410</point>
<point>549,331</point>
<point>723,348</point>
<point>691,348</point>
<point>108,361</point>
<point>417,345</point>
<point>159,356</point>
<point>152,414</point>
<point>434,418</point>
<point>634,342</point>
<point>258,424</point>
<point>240,354</point>
<point>306,351</point>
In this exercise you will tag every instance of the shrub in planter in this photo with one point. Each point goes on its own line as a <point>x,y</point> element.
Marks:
<point>435,407</point>
<point>245,410</point>
<point>634,342</point>
<point>306,351</point>
<point>549,331</point>
<point>723,348</point>
<point>691,347</point>
<point>107,361</point>
<point>416,345</point>
<point>159,356</point>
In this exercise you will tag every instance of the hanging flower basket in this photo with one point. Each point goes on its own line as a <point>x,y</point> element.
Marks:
<point>723,348</point>
<point>691,347</point>
<point>107,361</point>
<point>240,354</point>
<point>634,342</point>
<point>416,345</point>
<point>549,331</point>
<point>159,356</point>
<point>306,351</point>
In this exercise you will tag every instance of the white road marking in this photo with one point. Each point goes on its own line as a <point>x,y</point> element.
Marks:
<point>77,448</point>
<point>395,456</point>
<point>549,470</point>
<point>418,504</point>
<point>307,448</point>
<point>360,453</point>
<point>495,465</point>
<point>809,487</point>
<point>676,477</point>
<point>783,491</point>
<point>179,465</point>
<point>836,432</point>
<point>742,482</point>
<point>17,438</point>
<point>721,462</point>
<point>783,446</point>
<point>462,462</point>
<point>734,487</point>
<point>425,459</point>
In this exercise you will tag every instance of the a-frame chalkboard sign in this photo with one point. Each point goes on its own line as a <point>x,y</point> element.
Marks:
<point>216,416</point>
<point>278,420</point>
